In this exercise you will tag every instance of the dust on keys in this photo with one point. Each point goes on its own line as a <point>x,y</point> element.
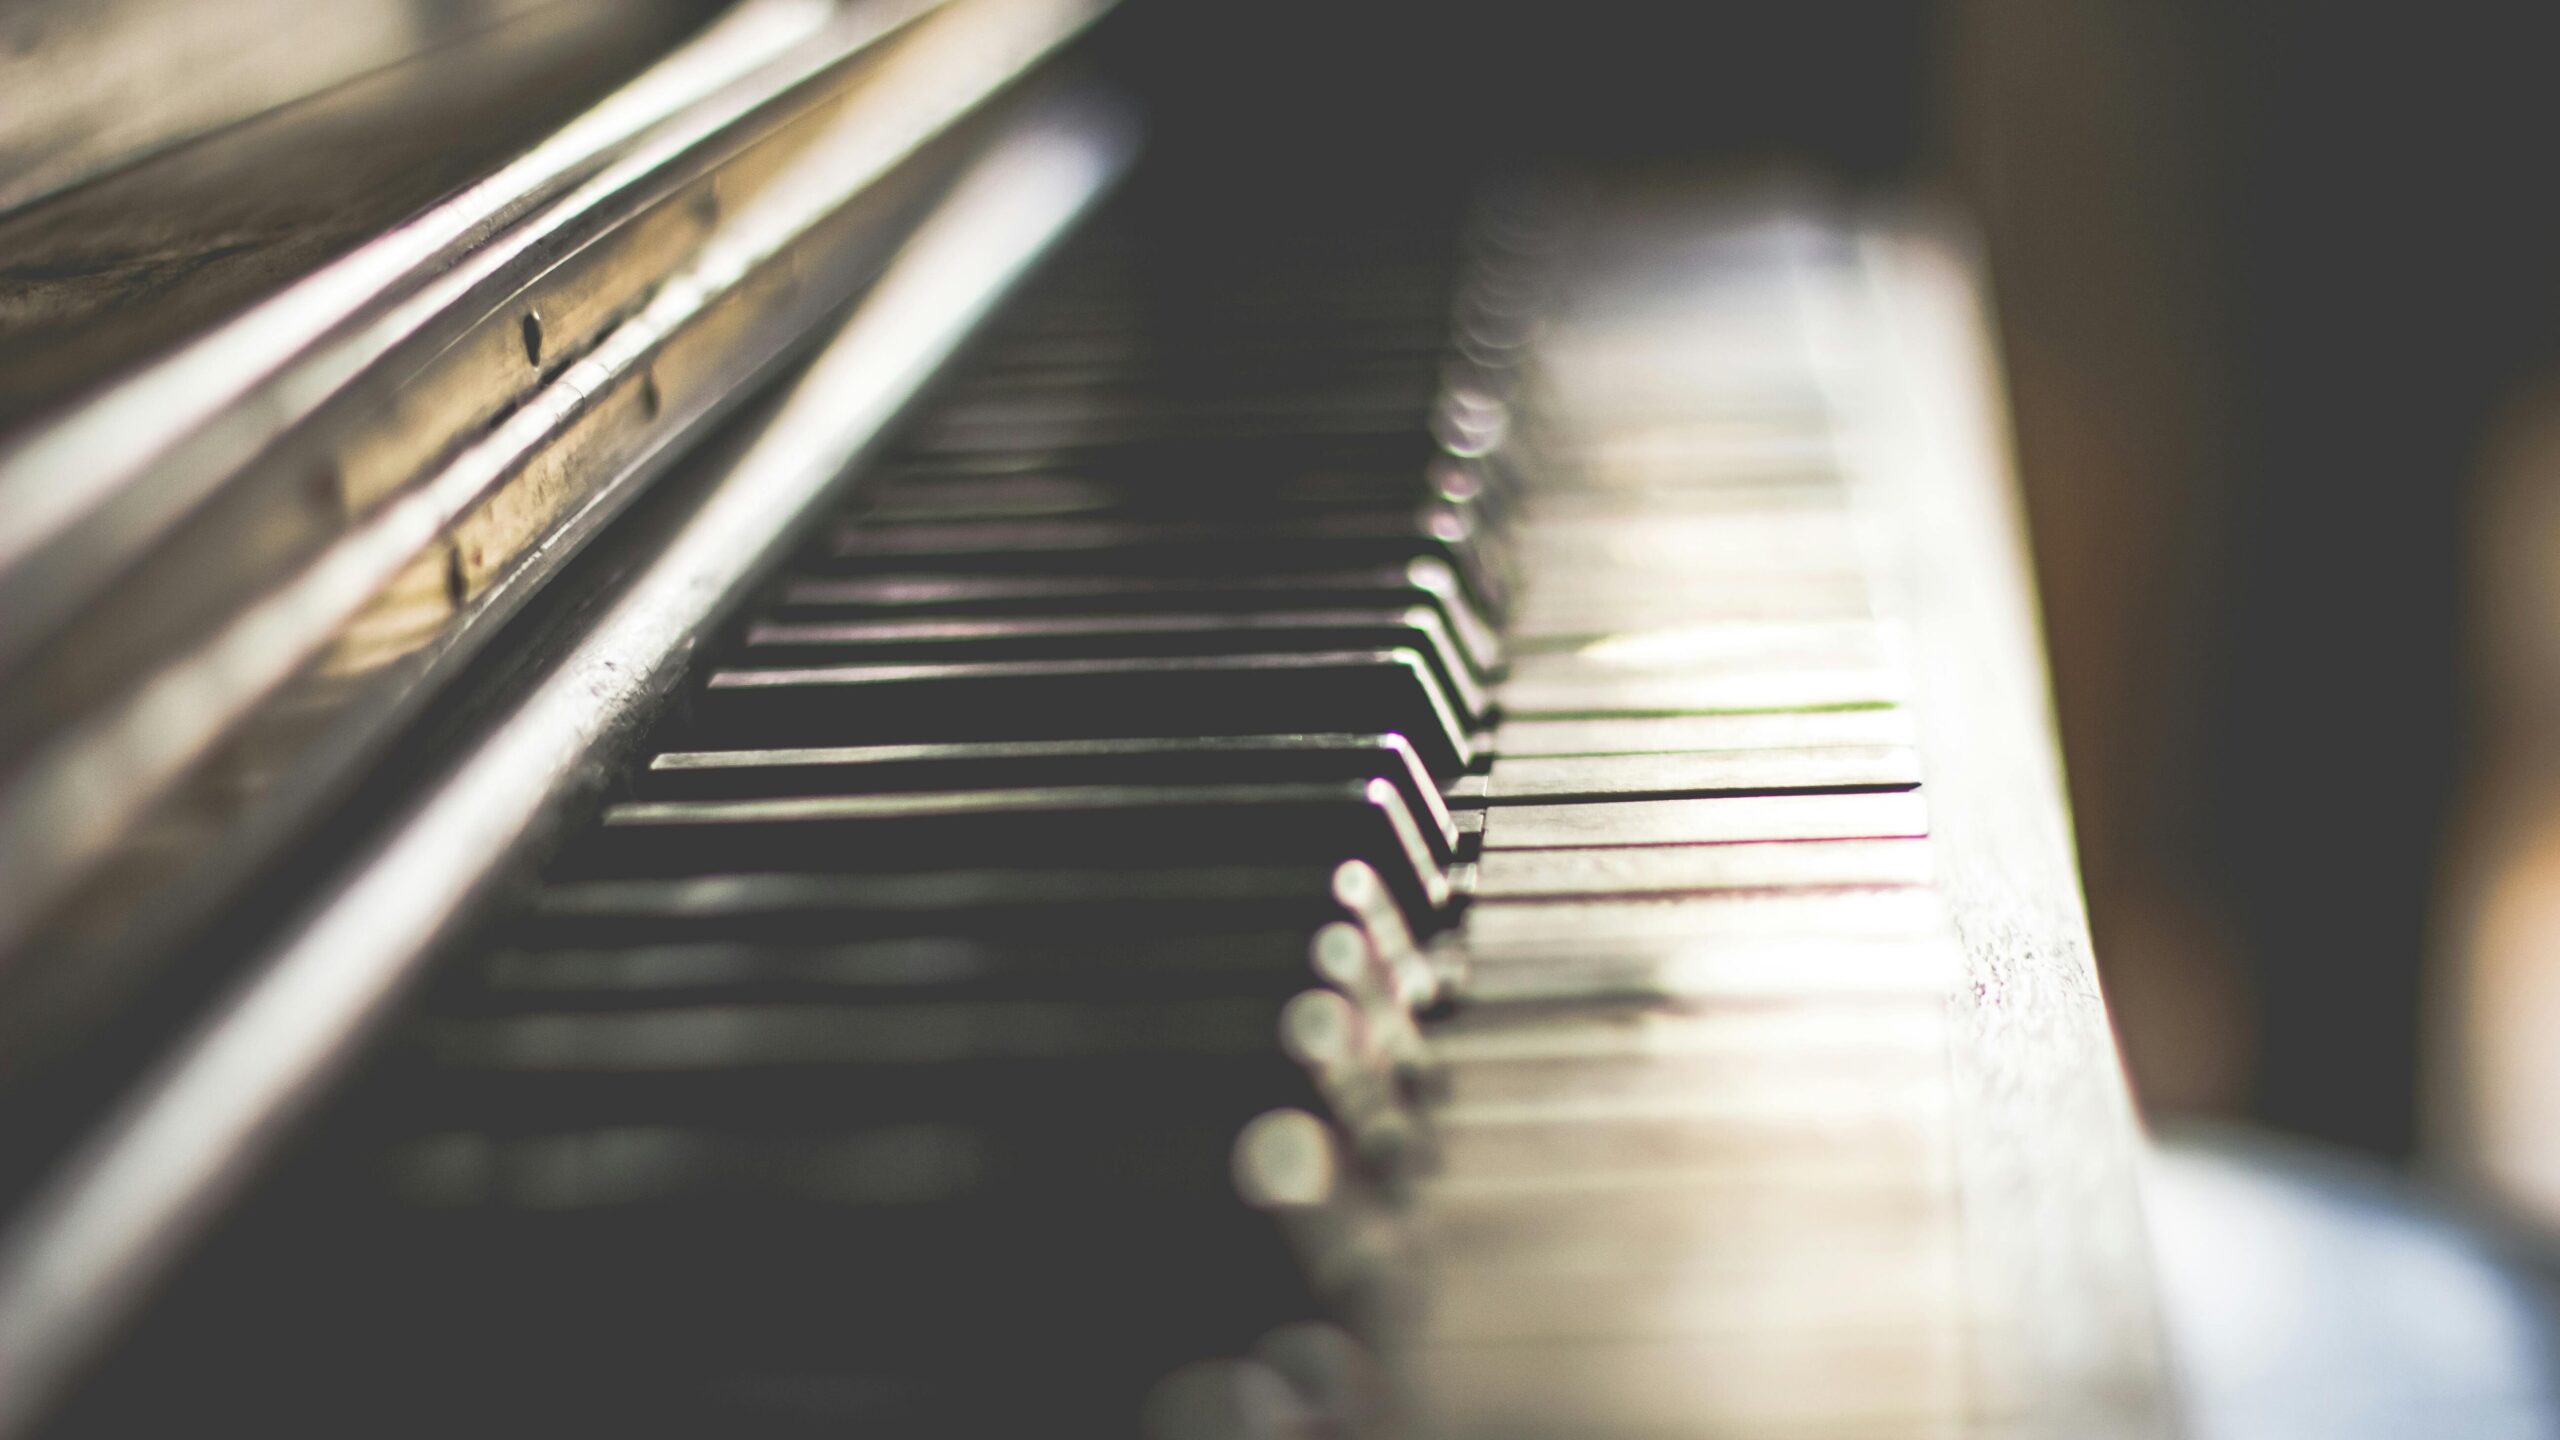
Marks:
<point>1329,848</point>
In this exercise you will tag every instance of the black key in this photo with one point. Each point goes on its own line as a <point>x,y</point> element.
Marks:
<point>1191,477</point>
<point>1420,582</point>
<point>1014,764</point>
<point>1051,495</point>
<point>1118,408</point>
<point>1361,690</point>
<point>734,904</point>
<point>1186,548</point>
<point>878,1168</point>
<point>1121,827</point>
<point>969,1040</point>
<point>1388,417</point>
<point>1096,637</point>
<point>1028,1066</point>
<point>905,969</point>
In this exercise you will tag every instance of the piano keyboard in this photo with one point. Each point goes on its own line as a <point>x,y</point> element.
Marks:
<point>1333,845</point>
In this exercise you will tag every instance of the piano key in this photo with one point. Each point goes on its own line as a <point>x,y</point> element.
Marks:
<point>1538,1207</point>
<point>1262,335</point>
<point>1558,1216</point>
<point>1266,334</point>
<point>1873,726</point>
<point>1116,826</point>
<point>1046,495</point>
<point>1086,637</point>
<point>1533,697</point>
<point>1425,581</point>
<point>1364,950</point>
<point>1855,1383</point>
<point>1596,607</point>
<point>880,769</point>
<point>1561,929</point>
<point>805,1067</point>
<point>907,967</point>
<point>1099,410</point>
<point>1804,1282</point>
<point>1739,645</point>
<point>1087,335</point>
<point>1696,869</point>
<point>1698,822</point>
<point>1183,548</point>
<point>704,1037</point>
<point>1026,1081</point>
<point>1683,1135</point>
<point>733,904</point>
<point>1171,468</point>
<point>631,1165</point>
<point>1782,492</point>
<point>902,1166</point>
<point>1535,779</point>
<point>1564,548</point>
<point>1348,424</point>
<point>1855,1101</point>
<point>1053,1072</point>
<point>1101,360</point>
<point>1375,690</point>
<point>1499,1048</point>
<point>1308,306</point>
<point>1753,969</point>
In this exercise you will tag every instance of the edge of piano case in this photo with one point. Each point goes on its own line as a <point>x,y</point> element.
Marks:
<point>2049,1145</point>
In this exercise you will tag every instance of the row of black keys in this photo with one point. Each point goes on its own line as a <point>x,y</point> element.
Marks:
<point>878,1055</point>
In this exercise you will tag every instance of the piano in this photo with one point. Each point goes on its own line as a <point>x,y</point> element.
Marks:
<point>846,737</point>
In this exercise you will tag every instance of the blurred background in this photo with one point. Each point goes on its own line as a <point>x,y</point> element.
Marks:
<point>2278,301</point>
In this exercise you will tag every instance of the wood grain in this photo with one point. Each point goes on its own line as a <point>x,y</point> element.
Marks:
<point>2047,1142</point>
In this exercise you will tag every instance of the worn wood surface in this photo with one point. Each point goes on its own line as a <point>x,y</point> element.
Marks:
<point>2046,1141</point>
